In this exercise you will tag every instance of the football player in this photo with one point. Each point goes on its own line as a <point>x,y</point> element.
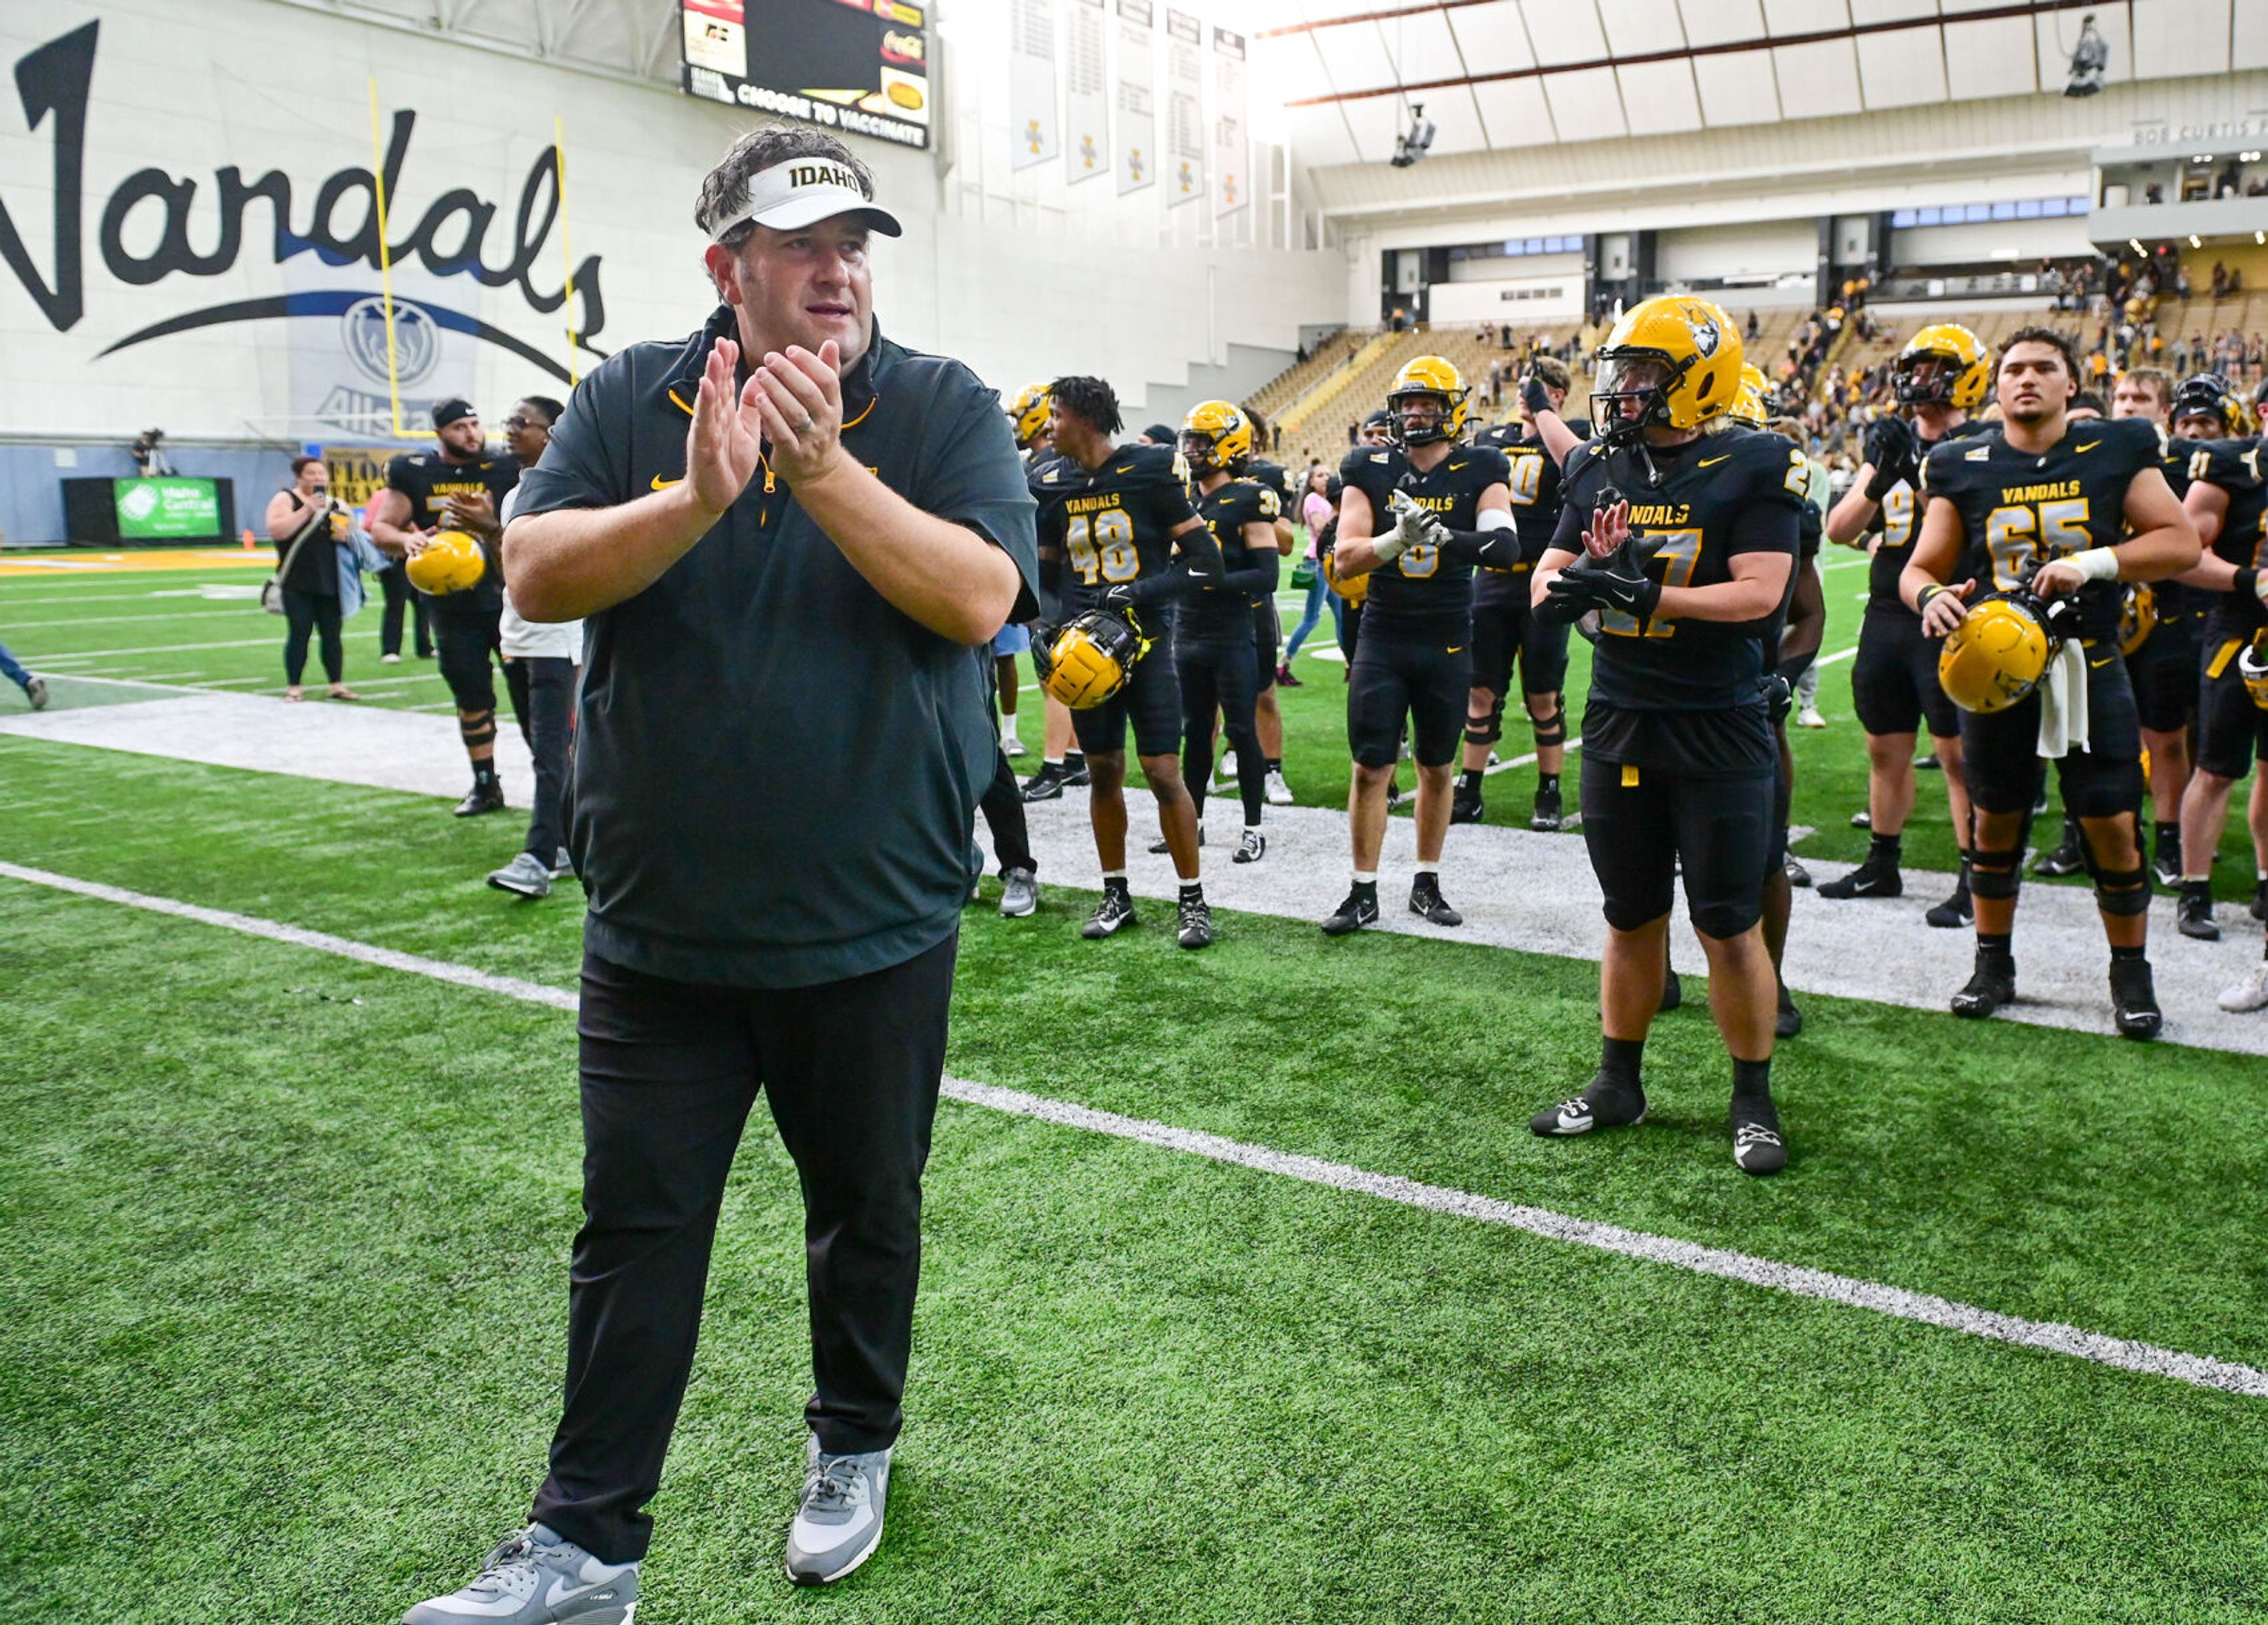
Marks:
<point>1061,766</point>
<point>1214,628</point>
<point>1683,538</point>
<point>1503,629</point>
<point>1268,627</point>
<point>2050,501</point>
<point>1118,518</point>
<point>1415,517</point>
<point>2228,505</point>
<point>459,485</point>
<point>1941,377</point>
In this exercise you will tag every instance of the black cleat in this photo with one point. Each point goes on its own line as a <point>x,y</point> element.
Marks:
<point>1789,1021</point>
<point>1673,991</point>
<point>1797,874</point>
<point>1047,784</point>
<point>1196,923</point>
<point>1115,912</point>
<point>1992,984</point>
<point>1960,910</point>
<point>2068,858</point>
<point>1549,813</point>
<point>1394,795</point>
<point>2193,914</point>
<point>485,796</point>
<point>1075,774</point>
<point>2166,870</point>
<point>1160,847</point>
<point>2259,909</point>
<point>1927,763</point>
<point>1862,820</point>
<point>1868,879</point>
<point>1606,1104</point>
<point>1426,902</point>
<point>1757,1148</point>
<point>1465,806</point>
<point>2134,999</point>
<point>1359,909</point>
<point>1251,849</point>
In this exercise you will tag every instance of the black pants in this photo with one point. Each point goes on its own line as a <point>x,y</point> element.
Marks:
<point>549,719</point>
<point>393,581</point>
<point>1003,806</point>
<point>1217,673</point>
<point>471,645</point>
<point>312,612</point>
<point>669,1072</point>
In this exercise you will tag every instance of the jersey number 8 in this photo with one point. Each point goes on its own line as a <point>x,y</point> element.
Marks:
<point>1104,550</point>
<point>2017,535</point>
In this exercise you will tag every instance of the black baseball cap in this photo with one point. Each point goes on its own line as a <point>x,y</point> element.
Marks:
<point>1158,434</point>
<point>447,412</point>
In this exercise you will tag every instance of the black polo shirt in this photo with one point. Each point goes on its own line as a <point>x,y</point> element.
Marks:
<point>776,770</point>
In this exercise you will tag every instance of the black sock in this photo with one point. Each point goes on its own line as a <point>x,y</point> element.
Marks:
<point>484,772</point>
<point>1751,1080</point>
<point>1275,764</point>
<point>1366,888</point>
<point>1193,890</point>
<point>1994,942</point>
<point>2134,955</point>
<point>2170,840</point>
<point>1619,1058</point>
<point>1888,849</point>
<point>1546,782</point>
<point>1473,779</point>
<point>1074,760</point>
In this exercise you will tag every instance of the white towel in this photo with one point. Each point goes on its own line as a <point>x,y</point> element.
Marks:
<point>2063,701</point>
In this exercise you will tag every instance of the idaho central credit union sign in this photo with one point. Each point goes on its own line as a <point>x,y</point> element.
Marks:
<point>344,367</point>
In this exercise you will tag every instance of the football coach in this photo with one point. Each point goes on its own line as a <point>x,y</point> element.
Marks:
<point>788,535</point>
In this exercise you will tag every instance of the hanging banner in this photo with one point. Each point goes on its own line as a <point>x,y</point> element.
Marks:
<point>1184,116</point>
<point>1086,92</point>
<point>1137,112</point>
<point>1232,187</point>
<point>1033,125</point>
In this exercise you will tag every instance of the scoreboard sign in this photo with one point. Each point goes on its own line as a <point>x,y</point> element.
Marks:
<point>859,66</point>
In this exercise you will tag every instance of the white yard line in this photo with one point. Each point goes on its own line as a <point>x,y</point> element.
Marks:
<point>161,648</point>
<point>2198,1371</point>
<point>240,611</point>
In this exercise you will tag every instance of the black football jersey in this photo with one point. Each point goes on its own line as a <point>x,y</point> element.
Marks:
<point>428,480</point>
<point>1114,526</point>
<point>2235,466</point>
<point>1535,482</point>
<point>1695,508</point>
<point>2176,600</point>
<point>1424,594</point>
<point>2028,507</point>
<point>1260,471</point>
<point>1898,520</point>
<point>1223,608</point>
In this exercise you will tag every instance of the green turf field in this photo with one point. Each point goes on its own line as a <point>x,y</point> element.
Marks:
<point>282,1312</point>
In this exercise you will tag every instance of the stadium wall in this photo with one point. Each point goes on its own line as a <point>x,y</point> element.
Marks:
<point>160,282</point>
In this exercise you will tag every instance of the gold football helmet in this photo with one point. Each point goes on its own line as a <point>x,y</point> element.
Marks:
<point>1091,656</point>
<point>1027,415</point>
<point>1216,434</point>
<point>1354,590</point>
<point>2207,395</point>
<point>1429,376</point>
<point>1960,374</point>
<point>2252,666</point>
<point>451,562</point>
<point>1749,401</point>
<point>1672,361</point>
<point>1996,656</point>
<point>2138,617</point>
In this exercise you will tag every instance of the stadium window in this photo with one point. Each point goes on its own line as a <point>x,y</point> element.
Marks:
<point>1902,219</point>
<point>2003,211</point>
<point>1977,212</point>
<point>2079,205</point>
<point>2030,210</point>
<point>2054,207</point>
<point>1926,216</point>
<point>1536,244</point>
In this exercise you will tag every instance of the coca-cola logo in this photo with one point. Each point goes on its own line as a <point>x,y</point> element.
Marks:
<point>335,219</point>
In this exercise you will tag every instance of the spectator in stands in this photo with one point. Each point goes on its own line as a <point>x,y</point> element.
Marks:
<point>308,530</point>
<point>2182,282</point>
<point>2219,279</point>
<point>1752,327</point>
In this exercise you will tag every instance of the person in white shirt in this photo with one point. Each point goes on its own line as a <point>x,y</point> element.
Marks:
<point>551,654</point>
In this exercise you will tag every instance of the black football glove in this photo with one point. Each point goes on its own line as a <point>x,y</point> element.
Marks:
<point>1779,693</point>
<point>1565,602</point>
<point>1534,397</point>
<point>1043,647</point>
<point>1895,453</point>
<point>1617,581</point>
<point>1119,598</point>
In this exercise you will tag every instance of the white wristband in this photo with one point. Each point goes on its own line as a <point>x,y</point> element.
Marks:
<point>1493,519</point>
<point>2095,563</point>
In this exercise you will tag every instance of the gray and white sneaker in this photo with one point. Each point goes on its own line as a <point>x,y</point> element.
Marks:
<point>2249,994</point>
<point>537,1578</point>
<point>36,692</point>
<point>1020,893</point>
<point>561,865</point>
<point>838,1523</point>
<point>526,874</point>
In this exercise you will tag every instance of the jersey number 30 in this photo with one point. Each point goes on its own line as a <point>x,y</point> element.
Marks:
<point>1104,548</point>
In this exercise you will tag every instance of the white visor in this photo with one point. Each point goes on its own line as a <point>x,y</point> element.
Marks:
<point>800,192</point>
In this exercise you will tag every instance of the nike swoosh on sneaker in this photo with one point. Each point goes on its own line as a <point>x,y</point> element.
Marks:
<point>1573,1122</point>
<point>562,1589</point>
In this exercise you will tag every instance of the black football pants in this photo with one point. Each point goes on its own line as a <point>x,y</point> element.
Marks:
<point>548,719</point>
<point>1003,806</point>
<point>393,581</point>
<point>669,1072</point>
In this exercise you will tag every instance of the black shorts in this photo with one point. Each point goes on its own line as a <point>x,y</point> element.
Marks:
<point>2000,750</point>
<point>1894,687</point>
<point>2164,672</point>
<point>1214,673</point>
<point>2231,730</point>
<point>462,644</point>
<point>1506,630</point>
<point>1151,700</point>
<point>1267,636</point>
<point>1392,679</point>
<point>1640,824</point>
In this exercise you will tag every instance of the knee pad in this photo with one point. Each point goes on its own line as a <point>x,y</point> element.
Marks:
<point>1551,730</point>
<point>1484,730</point>
<point>478,729</point>
<point>1996,874</point>
<point>2121,891</point>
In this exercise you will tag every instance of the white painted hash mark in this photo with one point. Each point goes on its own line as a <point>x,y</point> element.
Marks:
<point>2198,1371</point>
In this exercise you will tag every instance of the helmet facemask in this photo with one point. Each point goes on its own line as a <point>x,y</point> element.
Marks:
<point>1411,425</point>
<point>1927,378</point>
<point>1198,449</point>
<point>1631,395</point>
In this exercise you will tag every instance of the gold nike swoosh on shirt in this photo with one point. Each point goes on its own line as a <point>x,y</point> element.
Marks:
<point>2089,447</point>
<point>1711,462</point>
<point>2098,665</point>
<point>1457,649</point>
<point>661,484</point>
